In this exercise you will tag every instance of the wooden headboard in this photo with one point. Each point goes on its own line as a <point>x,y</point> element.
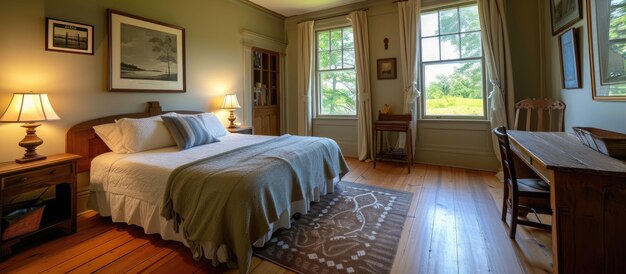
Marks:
<point>82,139</point>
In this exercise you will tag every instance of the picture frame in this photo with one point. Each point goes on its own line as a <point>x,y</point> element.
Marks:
<point>607,64</point>
<point>570,72</point>
<point>70,37</point>
<point>386,68</point>
<point>564,13</point>
<point>145,55</point>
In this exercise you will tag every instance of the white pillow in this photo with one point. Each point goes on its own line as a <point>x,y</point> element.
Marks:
<point>212,123</point>
<point>144,134</point>
<point>112,137</point>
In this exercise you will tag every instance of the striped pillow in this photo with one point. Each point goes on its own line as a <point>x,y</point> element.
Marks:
<point>188,131</point>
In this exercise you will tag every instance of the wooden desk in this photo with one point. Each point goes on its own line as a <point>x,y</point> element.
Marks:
<point>588,197</point>
<point>397,126</point>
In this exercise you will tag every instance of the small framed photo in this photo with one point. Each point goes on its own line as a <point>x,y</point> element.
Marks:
<point>569,59</point>
<point>386,68</point>
<point>145,55</point>
<point>67,36</point>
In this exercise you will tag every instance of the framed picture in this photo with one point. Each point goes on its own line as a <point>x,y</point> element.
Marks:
<point>145,55</point>
<point>569,59</point>
<point>607,49</point>
<point>386,68</point>
<point>67,36</point>
<point>564,14</point>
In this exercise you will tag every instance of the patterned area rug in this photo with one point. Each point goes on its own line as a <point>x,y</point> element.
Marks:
<point>356,229</point>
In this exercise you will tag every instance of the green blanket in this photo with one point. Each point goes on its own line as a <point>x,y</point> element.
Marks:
<point>233,197</point>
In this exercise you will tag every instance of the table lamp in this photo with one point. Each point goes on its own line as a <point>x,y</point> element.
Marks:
<point>231,103</point>
<point>29,108</point>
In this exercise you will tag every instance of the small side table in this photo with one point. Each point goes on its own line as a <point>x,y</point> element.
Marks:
<point>242,130</point>
<point>394,123</point>
<point>58,171</point>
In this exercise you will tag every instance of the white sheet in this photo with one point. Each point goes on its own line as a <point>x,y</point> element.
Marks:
<point>130,187</point>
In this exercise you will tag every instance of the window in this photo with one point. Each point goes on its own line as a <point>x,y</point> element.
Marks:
<point>336,77</point>
<point>452,63</point>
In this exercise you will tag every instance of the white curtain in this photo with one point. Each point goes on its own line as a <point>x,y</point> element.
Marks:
<point>306,64</point>
<point>495,41</point>
<point>364,108</point>
<point>409,19</point>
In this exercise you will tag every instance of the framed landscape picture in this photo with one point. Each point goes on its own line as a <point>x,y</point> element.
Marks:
<point>564,13</point>
<point>386,68</point>
<point>145,55</point>
<point>67,36</point>
<point>569,59</point>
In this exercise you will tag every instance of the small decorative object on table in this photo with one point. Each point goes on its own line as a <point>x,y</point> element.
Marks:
<point>608,142</point>
<point>385,109</point>
<point>231,103</point>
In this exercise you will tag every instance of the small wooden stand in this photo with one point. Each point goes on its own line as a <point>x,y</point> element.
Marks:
<point>396,123</point>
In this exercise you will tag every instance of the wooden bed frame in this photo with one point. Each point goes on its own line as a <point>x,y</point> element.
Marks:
<point>83,140</point>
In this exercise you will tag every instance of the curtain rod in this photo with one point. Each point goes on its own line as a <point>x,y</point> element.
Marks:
<point>328,17</point>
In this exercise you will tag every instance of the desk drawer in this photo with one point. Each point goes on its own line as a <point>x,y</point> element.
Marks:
<point>32,180</point>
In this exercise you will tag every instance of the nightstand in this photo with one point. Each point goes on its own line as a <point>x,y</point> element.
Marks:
<point>58,171</point>
<point>242,130</point>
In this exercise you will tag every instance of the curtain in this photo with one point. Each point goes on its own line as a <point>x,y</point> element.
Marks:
<point>306,63</point>
<point>495,40</point>
<point>409,18</point>
<point>362,62</point>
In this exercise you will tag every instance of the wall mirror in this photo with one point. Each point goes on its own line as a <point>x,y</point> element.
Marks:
<point>606,22</point>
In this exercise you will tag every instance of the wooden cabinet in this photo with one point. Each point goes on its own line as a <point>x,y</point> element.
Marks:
<point>16,180</point>
<point>265,92</point>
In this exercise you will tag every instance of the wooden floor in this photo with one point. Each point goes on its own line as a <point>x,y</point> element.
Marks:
<point>453,227</point>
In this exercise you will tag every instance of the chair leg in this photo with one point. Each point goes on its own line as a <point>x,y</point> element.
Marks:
<point>505,206</point>
<point>514,214</point>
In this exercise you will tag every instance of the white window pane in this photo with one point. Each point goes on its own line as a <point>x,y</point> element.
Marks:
<point>454,89</point>
<point>348,59</point>
<point>335,59</point>
<point>469,18</point>
<point>471,45</point>
<point>430,49</point>
<point>338,92</point>
<point>322,40</point>
<point>430,24</point>
<point>450,47</point>
<point>348,38</point>
<point>323,60</point>
<point>335,39</point>
<point>449,21</point>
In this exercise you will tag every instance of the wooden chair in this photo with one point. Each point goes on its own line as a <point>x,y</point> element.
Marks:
<point>521,195</point>
<point>553,108</point>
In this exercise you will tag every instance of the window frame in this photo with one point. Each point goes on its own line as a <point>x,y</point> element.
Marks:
<point>317,84</point>
<point>423,64</point>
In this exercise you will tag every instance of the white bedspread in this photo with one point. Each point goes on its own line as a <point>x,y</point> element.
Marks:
<point>144,175</point>
<point>130,188</point>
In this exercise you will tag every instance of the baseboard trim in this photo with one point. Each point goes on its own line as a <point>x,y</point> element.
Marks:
<point>453,156</point>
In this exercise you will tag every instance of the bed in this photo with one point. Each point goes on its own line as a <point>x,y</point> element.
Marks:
<point>241,202</point>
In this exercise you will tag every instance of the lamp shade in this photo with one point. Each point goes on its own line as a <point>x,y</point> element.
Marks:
<point>230,101</point>
<point>29,107</point>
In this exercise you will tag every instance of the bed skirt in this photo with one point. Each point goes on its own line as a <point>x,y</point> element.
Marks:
<point>134,211</point>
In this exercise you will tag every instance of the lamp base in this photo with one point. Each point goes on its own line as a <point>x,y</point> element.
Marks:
<point>232,119</point>
<point>30,142</point>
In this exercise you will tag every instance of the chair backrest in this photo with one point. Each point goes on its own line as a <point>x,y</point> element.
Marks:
<point>506,155</point>
<point>553,108</point>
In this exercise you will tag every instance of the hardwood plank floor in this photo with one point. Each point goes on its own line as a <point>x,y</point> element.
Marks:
<point>453,226</point>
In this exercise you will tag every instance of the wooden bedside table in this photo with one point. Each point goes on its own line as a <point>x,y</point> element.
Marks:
<point>242,130</point>
<point>15,179</point>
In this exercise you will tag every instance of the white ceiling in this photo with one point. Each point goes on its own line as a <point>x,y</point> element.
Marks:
<point>296,7</point>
